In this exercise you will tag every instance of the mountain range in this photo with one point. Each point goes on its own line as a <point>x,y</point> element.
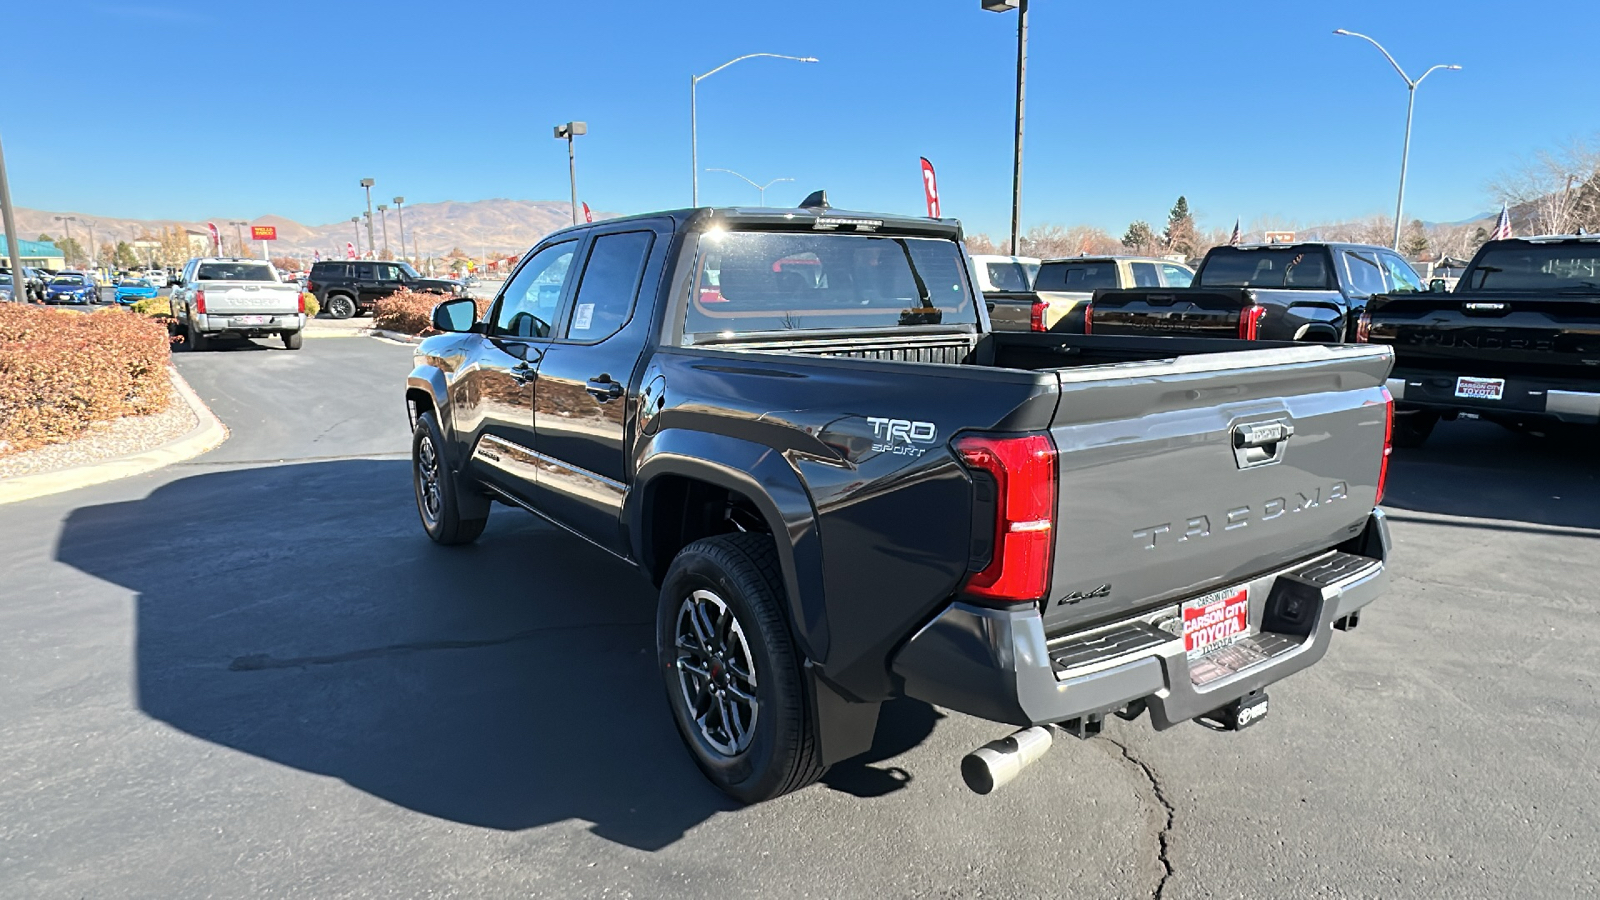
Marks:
<point>478,227</point>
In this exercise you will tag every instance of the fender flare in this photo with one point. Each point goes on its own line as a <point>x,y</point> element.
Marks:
<point>430,381</point>
<point>764,476</point>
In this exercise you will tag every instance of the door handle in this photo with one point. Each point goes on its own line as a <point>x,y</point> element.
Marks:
<point>603,388</point>
<point>522,373</point>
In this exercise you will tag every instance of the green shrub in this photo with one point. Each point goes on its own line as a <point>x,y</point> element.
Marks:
<point>155,306</point>
<point>62,371</point>
<point>312,306</point>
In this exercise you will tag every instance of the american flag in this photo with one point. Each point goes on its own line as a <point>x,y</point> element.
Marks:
<point>1234,241</point>
<point>1502,225</point>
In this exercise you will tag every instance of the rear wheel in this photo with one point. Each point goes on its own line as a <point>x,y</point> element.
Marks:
<point>340,306</point>
<point>293,339</point>
<point>1412,429</point>
<point>732,674</point>
<point>449,514</point>
<point>195,339</point>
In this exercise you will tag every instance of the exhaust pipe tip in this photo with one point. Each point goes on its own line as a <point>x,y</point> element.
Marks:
<point>996,763</point>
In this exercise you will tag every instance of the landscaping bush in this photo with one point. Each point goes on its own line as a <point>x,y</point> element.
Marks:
<point>155,306</point>
<point>411,312</point>
<point>312,306</point>
<point>61,371</point>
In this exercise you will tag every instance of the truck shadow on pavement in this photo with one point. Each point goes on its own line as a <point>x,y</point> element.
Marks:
<point>1481,470</point>
<point>298,613</point>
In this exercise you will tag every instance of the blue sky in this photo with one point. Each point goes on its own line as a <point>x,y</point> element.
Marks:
<point>1255,109</point>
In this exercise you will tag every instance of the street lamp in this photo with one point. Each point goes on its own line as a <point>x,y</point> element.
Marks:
<point>1411,102</point>
<point>760,187</point>
<point>356,221</point>
<point>694,116</point>
<point>400,212</point>
<point>238,234</point>
<point>372,245</point>
<point>8,220</point>
<point>1021,6</point>
<point>383,216</point>
<point>570,131</point>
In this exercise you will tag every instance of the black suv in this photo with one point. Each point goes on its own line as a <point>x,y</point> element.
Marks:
<point>345,288</point>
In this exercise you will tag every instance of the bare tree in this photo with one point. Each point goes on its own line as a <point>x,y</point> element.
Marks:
<point>1555,192</point>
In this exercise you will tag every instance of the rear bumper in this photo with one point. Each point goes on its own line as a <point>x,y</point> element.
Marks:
<point>212,325</point>
<point>1560,399</point>
<point>999,665</point>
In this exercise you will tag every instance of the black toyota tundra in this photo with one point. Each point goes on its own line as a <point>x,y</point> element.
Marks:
<point>799,425</point>
<point>1517,342</point>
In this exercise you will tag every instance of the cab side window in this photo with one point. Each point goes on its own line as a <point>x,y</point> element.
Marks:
<point>1402,278</point>
<point>1365,278</point>
<point>1177,276</point>
<point>529,302</point>
<point>610,281</point>
<point>1144,275</point>
<point>365,271</point>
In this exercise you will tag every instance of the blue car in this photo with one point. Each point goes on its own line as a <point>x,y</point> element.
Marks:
<point>132,290</point>
<point>72,287</point>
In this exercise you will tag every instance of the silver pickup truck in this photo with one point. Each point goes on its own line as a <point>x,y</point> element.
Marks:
<point>219,298</point>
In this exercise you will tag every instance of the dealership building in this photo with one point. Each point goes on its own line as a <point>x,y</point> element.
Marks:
<point>35,254</point>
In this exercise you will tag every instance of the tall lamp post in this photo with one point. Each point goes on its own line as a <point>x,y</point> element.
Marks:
<point>570,131</point>
<point>372,245</point>
<point>694,114</point>
<point>383,217</point>
<point>400,213</point>
<point>238,235</point>
<point>356,221</point>
<point>8,220</point>
<point>1411,103</point>
<point>1021,6</point>
<point>762,188</point>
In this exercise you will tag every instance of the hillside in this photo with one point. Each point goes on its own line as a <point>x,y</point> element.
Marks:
<point>498,226</point>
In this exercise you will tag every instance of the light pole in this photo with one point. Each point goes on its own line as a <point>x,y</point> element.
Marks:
<point>356,221</point>
<point>694,115</point>
<point>1411,103</point>
<point>67,221</point>
<point>400,213</point>
<point>372,246</point>
<point>383,216</point>
<point>570,131</point>
<point>1021,6</point>
<point>238,234</point>
<point>759,187</point>
<point>9,220</point>
<point>89,223</point>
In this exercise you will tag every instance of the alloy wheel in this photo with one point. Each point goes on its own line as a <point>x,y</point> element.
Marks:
<point>428,497</point>
<point>716,673</point>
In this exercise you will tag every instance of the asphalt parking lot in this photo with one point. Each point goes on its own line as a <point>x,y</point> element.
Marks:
<point>252,675</point>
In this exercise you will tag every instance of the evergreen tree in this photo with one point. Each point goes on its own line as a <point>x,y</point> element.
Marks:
<point>1179,236</point>
<point>1139,237</point>
<point>1415,242</point>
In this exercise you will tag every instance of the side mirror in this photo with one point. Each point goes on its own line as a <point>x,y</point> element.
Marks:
<point>1437,286</point>
<point>455,315</point>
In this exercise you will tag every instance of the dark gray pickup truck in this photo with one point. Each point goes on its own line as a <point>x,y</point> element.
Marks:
<point>798,424</point>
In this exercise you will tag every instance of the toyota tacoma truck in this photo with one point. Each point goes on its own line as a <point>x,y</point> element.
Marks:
<point>799,425</point>
<point>1309,291</point>
<point>1517,342</point>
<point>1063,288</point>
<point>226,298</point>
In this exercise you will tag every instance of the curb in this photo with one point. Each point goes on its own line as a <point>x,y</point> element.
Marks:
<point>396,336</point>
<point>207,435</point>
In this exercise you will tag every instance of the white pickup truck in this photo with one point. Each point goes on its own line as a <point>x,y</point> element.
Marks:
<point>230,298</point>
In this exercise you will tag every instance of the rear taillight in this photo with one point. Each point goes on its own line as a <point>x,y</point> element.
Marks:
<point>1036,316</point>
<point>1023,470</point>
<point>302,302</point>
<point>1388,442</point>
<point>200,301</point>
<point>1088,318</point>
<point>1250,322</point>
<point>1363,327</point>
<point>311,286</point>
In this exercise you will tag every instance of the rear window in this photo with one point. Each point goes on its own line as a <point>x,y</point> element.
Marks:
<point>219,271</point>
<point>328,270</point>
<point>1009,276</point>
<point>1291,267</point>
<point>1077,276</point>
<point>1538,267</point>
<point>753,282</point>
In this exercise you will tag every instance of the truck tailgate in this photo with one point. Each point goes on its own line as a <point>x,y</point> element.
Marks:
<point>1157,499</point>
<point>1491,332</point>
<point>251,298</point>
<point>1192,312</point>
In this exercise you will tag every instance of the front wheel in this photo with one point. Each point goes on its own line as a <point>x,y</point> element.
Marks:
<point>449,514</point>
<point>732,674</point>
<point>341,306</point>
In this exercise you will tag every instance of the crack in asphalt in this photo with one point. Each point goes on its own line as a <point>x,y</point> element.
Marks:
<point>256,662</point>
<point>1164,836</point>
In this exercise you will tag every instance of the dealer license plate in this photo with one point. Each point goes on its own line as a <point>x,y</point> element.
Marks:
<point>251,320</point>
<point>1215,620</point>
<point>1480,388</point>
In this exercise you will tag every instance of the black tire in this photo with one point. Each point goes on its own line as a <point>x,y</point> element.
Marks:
<point>196,341</point>
<point>1412,429</point>
<point>340,306</point>
<point>293,339</point>
<point>777,751</point>
<point>449,514</point>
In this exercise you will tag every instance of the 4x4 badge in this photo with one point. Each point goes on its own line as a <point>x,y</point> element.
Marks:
<point>1103,590</point>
